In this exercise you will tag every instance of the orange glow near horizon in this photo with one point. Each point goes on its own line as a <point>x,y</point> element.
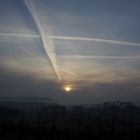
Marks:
<point>67,88</point>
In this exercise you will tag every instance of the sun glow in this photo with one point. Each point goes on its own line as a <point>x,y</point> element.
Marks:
<point>67,88</point>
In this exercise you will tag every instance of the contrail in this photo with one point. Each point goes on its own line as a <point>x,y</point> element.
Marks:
<point>99,57</point>
<point>127,43</point>
<point>47,42</point>
<point>19,35</point>
<point>117,42</point>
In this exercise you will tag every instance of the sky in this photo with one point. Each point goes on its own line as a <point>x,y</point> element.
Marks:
<point>92,46</point>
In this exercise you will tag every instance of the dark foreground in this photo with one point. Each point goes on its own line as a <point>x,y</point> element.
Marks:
<point>109,120</point>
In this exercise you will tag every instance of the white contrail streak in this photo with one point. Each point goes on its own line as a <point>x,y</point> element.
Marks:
<point>127,43</point>
<point>47,42</point>
<point>19,35</point>
<point>117,42</point>
<point>98,57</point>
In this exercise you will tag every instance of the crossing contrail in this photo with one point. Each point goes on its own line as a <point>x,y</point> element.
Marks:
<point>45,60</point>
<point>46,41</point>
<point>99,40</point>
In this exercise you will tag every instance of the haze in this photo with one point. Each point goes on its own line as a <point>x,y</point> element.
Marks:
<point>97,50</point>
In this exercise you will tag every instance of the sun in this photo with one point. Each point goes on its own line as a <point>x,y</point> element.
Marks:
<point>67,88</point>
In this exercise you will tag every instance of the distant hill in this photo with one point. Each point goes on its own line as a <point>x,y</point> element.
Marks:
<point>25,102</point>
<point>27,99</point>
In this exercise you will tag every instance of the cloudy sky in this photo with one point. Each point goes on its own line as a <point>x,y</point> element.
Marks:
<point>97,49</point>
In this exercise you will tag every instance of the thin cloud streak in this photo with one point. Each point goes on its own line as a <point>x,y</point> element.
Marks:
<point>19,35</point>
<point>117,42</point>
<point>98,57</point>
<point>99,40</point>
